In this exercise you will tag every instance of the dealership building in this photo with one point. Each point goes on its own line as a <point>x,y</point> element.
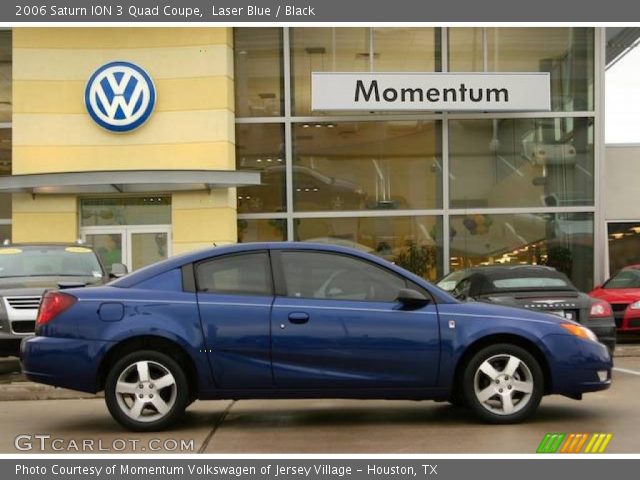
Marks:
<point>149,142</point>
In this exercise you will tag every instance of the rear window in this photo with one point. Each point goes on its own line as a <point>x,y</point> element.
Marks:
<point>23,261</point>
<point>517,283</point>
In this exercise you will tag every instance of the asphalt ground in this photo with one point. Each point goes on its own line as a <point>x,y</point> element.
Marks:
<point>322,426</point>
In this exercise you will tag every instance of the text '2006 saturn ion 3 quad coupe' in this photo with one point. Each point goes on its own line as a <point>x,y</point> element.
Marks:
<point>298,320</point>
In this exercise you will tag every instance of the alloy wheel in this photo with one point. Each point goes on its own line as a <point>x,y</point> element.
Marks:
<point>146,391</point>
<point>503,384</point>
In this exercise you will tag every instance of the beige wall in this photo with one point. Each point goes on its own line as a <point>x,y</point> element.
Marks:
<point>192,126</point>
<point>622,183</point>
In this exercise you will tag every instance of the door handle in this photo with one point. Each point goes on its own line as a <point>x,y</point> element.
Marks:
<point>298,318</point>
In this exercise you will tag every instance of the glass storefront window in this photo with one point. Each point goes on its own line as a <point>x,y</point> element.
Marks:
<point>624,245</point>
<point>148,210</point>
<point>271,230</point>
<point>367,165</point>
<point>258,72</point>
<point>5,151</point>
<point>5,232</point>
<point>5,76</point>
<point>5,206</point>
<point>401,49</point>
<point>260,147</point>
<point>561,240</point>
<point>566,53</point>
<point>414,243</point>
<point>521,162</point>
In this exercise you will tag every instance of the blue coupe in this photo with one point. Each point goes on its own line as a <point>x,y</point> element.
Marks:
<point>299,320</point>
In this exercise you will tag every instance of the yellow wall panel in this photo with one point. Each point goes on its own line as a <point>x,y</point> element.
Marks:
<point>163,127</point>
<point>79,64</point>
<point>44,218</point>
<point>116,38</point>
<point>174,94</point>
<point>204,225</point>
<point>184,156</point>
<point>27,203</point>
<point>44,227</point>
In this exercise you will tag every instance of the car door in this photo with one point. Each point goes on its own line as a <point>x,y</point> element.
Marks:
<point>336,324</point>
<point>235,294</point>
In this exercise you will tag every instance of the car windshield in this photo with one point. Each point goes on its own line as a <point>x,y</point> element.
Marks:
<point>525,283</point>
<point>49,261</point>
<point>449,282</point>
<point>624,279</point>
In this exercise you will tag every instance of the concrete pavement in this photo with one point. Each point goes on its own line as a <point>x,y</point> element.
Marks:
<point>336,426</point>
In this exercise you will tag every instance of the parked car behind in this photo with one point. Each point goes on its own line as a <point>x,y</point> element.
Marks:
<point>26,271</point>
<point>534,287</point>
<point>622,291</point>
<point>301,320</point>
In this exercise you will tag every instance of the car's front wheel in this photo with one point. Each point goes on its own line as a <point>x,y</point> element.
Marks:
<point>503,383</point>
<point>146,391</point>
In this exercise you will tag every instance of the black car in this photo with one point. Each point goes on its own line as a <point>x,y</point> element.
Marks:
<point>533,287</point>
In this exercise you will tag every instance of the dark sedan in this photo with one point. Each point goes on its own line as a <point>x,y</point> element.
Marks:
<point>533,287</point>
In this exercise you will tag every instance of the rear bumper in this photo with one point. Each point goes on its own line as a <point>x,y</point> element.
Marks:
<point>605,331</point>
<point>63,362</point>
<point>578,366</point>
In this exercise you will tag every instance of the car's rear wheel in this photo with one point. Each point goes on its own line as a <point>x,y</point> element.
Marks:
<point>146,391</point>
<point>503,383</point>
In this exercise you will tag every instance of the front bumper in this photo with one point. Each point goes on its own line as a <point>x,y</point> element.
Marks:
<point>63,362</point>
<point>577,365</point>
<point>10,344</point>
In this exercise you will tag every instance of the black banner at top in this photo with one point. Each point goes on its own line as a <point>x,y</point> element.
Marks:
<point>334,11</point>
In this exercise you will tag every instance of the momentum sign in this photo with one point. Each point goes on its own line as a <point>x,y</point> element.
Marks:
<point>431,91</point>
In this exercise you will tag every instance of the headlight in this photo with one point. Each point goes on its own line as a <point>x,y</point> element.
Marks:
<point>580,331</point>
<point>635,305</point>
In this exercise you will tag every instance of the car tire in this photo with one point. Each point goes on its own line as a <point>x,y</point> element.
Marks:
<point>146,391</point>
<point>503,383</point>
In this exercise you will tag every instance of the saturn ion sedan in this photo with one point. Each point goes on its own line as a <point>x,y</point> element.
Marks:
<point>299,320</point>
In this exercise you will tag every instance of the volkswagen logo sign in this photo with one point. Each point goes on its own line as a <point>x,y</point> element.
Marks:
<point>120,96</point>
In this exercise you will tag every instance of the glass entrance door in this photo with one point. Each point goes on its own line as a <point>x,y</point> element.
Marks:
<point>135,246</point>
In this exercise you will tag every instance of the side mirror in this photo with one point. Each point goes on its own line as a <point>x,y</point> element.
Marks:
<point>118,270</point>
<point>411,298</point>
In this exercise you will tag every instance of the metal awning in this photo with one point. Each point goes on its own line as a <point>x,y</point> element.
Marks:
<point>127,181</point>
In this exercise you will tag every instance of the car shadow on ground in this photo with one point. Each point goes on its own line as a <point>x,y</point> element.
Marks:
<point>433,414</point>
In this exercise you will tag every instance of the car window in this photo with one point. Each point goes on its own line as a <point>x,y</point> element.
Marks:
<point>244,274</point>
<point>449,282</point>
<point>32,261</point>
<point>338,277</point>
<point>624,279</point>
<point>462,289</point>
<point>529,282</point>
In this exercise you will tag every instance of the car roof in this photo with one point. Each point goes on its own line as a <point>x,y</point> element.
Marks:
<point>178,261</point>
<point>499,270</point>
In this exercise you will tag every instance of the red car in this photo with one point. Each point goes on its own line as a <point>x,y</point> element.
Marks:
<point>622,291</point>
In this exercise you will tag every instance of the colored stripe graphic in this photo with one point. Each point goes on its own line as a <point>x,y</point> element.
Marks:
<point>574,442</point>
<point>550,443</point>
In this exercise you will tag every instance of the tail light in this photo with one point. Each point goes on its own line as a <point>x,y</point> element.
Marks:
<point>53,304</point>
<point>600,309</point>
